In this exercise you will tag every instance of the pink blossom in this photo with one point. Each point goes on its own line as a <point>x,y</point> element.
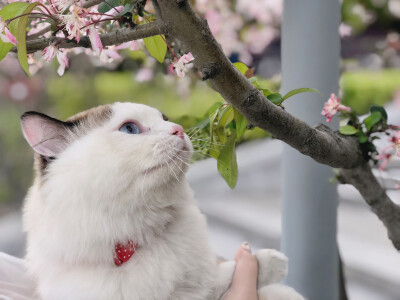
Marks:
<point>264,11</point>
<point>145,74</point>
<point>170,69</point>
<point>257,39</point>
<point>7,37</point>
<point>48,54</point>
<point>74,21</point>
<point>134,46</point>
<point>383,159</point>
<point>215,20</point>
<point>95,40</point>
<point>396,143</point>
<point>386,153</point>
<point>109,54</point>
<point>332,106</point>
<point>179,65</point>
<point>62,5</point>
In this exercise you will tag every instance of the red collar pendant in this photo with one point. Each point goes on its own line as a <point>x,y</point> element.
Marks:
<point>124,252</point>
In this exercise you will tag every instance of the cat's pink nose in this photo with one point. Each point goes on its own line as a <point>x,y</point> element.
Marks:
<point>177,130</point>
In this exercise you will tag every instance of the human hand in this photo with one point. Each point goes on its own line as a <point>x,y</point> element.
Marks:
<point>244,283</point>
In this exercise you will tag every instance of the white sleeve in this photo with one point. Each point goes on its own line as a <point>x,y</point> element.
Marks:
<point>15,283</point>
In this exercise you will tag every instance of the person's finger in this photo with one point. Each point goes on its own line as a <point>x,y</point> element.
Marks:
<point>244,283</point>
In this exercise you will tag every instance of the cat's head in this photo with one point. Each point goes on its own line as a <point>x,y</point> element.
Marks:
<point>116,148</point>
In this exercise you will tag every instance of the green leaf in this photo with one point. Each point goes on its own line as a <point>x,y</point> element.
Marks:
<point>226,116</point>
<point>227,164</point>
<point>266,92</point>
<point>214,152</point>
<point>372,119</point>
<point>213,110</point>
<point>381,110</point>
<point>21,37</point>
<point>241,123</point>
<point>275,98</point>
<point>127,9</point>
<point>8,12</point>
<point>212,114</point>
<point>301,90</point>
<point>241,67</point>
<point>348,130</point>
<point>362,138</point>
<point>254,81</point>
<point>104,7</point>
<point>156,46</point>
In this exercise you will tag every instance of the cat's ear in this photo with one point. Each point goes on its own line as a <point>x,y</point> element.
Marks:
<point>46,135</point>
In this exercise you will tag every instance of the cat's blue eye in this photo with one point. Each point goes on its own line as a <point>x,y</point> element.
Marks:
<point>129,127</point>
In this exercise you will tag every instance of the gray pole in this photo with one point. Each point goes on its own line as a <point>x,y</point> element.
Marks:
<point>310,58</point>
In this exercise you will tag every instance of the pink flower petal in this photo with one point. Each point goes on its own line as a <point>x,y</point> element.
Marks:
<point>332,106</point>
<point>187,58</point>
<point>48,53</point>
<point>95,40</point>
<point>170,69</point>
<point>63,59</point>
<point>9,35</point>
<point>113,54</point>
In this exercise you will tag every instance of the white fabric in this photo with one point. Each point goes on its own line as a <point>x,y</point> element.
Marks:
<point>14,281</point>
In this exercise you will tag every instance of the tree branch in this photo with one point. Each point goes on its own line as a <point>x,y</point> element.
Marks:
<point>320,143</point>
<point>113,38</point>
<point>386,210</point>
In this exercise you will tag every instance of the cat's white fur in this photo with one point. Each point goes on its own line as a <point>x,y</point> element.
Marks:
<point>106,186</point>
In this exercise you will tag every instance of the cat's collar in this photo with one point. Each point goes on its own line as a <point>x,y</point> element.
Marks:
<point>124,252</point>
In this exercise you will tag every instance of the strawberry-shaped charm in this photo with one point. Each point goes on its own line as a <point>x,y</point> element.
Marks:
<point>123,252</point>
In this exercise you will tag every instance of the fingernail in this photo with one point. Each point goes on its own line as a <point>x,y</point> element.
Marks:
<point>246,246</point>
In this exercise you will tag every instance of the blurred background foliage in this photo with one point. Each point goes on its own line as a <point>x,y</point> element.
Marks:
<point>371,75</point>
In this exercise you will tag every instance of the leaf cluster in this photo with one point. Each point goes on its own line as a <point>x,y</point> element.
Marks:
<point>366,130</point>
<point>226,126</point>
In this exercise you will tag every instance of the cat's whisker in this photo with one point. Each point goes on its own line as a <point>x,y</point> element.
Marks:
<point>172,170</point>
<point>186,163</point>
<point>207,143</point>
<point>197,130</point>
<point>191,131</point>
<point>190,151</point>
<point>211,143</point>
<point>177,149</point>
<point>172,159</point>
<point>176,155</point>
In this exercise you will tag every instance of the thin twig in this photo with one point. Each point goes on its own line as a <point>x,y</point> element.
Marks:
<point>113,38</point>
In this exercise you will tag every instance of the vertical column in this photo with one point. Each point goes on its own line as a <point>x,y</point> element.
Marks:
<point>310,58</point>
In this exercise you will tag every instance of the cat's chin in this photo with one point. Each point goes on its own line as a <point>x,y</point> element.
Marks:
<point>176,163</point>
<point>175,166</point>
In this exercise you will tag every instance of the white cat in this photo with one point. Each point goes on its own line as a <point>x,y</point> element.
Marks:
<point>111,215</point>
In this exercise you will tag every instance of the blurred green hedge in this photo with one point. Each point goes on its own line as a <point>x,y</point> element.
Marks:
<point>364,88</point>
